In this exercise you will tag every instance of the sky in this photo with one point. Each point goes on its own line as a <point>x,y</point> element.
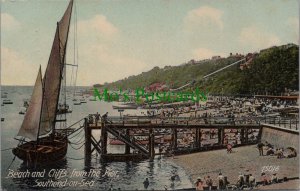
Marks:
<point>120,38</point>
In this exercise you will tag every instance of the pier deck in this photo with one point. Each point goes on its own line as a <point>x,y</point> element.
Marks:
<point>121,128</point>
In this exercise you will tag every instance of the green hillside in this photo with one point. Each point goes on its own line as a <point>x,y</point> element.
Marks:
<point>272,70</point>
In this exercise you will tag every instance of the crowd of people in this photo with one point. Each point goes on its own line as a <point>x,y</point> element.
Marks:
<point>270,150</point>
<point>244,180</point>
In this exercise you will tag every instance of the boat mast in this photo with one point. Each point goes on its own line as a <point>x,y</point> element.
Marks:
<point>43,89</point>
<point>62,62</point>
<point>57,100</point>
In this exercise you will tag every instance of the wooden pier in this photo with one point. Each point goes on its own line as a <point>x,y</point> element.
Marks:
<point>121,128</point>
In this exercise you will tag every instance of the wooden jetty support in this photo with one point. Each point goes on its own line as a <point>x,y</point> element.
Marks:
<point>135,149</point>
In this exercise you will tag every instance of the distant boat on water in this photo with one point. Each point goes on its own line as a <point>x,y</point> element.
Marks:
<point>93,99</point>
<point>23,111</point>
<point>82,100</point>
<point>125,107</point>
<point>25,107</point>
<point>76,102</point>
<point>7,101</point>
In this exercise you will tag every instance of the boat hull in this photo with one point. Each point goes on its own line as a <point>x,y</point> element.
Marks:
<point>63,111</point>
<point>47,151</point>
<point>125,107</point>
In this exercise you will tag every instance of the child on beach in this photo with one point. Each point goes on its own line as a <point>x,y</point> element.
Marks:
<point>199,184</point>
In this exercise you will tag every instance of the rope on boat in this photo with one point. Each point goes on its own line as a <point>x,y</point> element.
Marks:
<point>76,134</point>
<point>78,142</point>
<point>78,147</point>
<point>11,162</point>
<point>6,149</point>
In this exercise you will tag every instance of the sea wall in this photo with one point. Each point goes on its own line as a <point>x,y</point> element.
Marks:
<point>280,137</point>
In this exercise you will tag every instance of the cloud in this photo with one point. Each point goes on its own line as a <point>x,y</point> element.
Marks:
<point>98,25</point>
<point>105,65</point>
<point>8,22</point>
<point>13,66</point>
<point>255,38</point>
<point>99,46</point>
<point>204,16</point>
<point>203,53</point>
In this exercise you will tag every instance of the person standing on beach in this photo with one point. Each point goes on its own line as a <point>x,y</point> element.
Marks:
<point>241,180</point>
<point>252,181</point>
<point>229,148</point>
<point>199,184</point>
<point>221,181</point>
<point>209,182</point>
<point>247,175</point>
<point>260,148</point>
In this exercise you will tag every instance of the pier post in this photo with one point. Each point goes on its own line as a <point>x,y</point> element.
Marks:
<point>219,136</point>
<point>242,135</point>
<point>103,138</point>
<point>246,135</point>
<point>127,147</point>
<point>222,135</point>
<point>151,144</point>
<point>198,137</point>
<point>88,143</point>
<point>259,133</point>
<point>174,139</point>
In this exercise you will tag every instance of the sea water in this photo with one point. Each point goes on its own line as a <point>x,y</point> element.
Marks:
<point>71,173</point>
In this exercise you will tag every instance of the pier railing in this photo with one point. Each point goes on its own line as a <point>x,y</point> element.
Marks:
<point>289,123</point>
<point>140,120</point>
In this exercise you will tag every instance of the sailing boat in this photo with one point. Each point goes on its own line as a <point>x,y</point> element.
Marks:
<point>46,143</point>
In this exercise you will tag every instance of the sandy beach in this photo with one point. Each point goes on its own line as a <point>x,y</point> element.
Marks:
<point>243,158</point>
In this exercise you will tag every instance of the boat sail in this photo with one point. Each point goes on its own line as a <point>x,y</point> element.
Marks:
<point>40,118</point>
<point>32,117</point>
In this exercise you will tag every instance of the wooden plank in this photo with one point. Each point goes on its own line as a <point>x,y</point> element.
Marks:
<point>96,146</point>
<point>204,126</point>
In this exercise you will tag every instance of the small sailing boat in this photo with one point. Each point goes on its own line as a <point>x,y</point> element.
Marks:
<point>24,108</point>
<point>3,95</point>
<point>63,108</point>
<point>82,100</point>
<point>47,144</point>
<point>23,111</point>
<point>26,104</point>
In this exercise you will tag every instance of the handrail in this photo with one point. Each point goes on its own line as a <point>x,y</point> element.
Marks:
<point>204,120</point>
<point>254,120</point>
